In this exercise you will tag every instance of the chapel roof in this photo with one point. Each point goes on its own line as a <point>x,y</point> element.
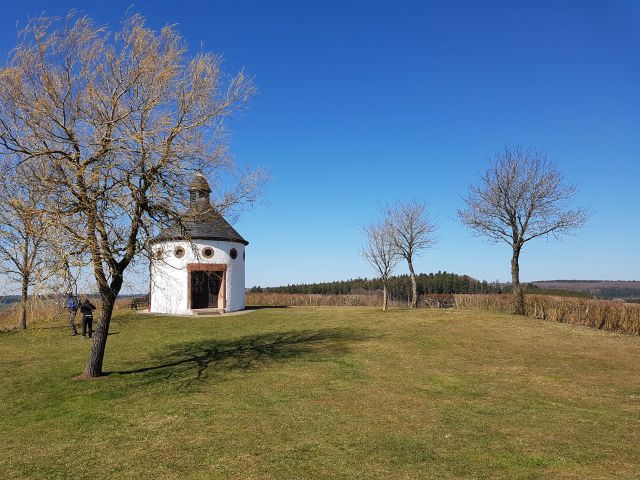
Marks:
<point>201,221</point>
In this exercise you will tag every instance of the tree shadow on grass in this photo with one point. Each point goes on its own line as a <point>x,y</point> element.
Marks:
<point>193,361</point>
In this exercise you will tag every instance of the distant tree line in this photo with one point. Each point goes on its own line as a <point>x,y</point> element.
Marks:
<point>399,286</point>
<point>534,289</point>
<point>441,282</point>
<point>607,293</point>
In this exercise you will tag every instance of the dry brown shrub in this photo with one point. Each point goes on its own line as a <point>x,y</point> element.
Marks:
<point>373,299</point>
<point>40,313</point>
<point>602,314</point>
<point>43,312</point>
<point>312,300</point>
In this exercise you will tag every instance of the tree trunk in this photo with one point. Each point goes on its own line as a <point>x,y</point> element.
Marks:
<point>518,293</point>
<point>384,297</point>
<point>414,287</point>
<point>96,355</point>
<point>24,296</point>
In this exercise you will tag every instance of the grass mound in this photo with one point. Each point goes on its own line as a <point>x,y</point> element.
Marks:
<point>325,392</point>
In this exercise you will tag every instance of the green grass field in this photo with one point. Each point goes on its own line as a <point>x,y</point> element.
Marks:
<point>323,392</point>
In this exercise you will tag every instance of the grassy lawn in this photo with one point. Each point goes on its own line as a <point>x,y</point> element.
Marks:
<point>323,393</point>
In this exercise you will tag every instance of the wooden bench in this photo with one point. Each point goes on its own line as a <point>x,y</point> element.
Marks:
<point>139,302</point>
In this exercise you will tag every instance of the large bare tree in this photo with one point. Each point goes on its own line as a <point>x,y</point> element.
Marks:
<point>521,196</point>
<point>412,231</point>
<point>380,253</point>
<point>22,232</point>
<point>119,124</point>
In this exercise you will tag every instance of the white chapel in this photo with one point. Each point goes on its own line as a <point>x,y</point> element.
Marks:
<point>198,264</point>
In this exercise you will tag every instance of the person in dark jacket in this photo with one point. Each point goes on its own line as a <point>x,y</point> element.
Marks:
<point>87,308</point>
<point>72,306</point>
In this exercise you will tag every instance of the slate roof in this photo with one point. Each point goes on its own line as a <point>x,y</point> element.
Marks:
<point>201,222</point>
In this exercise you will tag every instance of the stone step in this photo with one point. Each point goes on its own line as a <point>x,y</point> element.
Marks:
<point>208,311</point>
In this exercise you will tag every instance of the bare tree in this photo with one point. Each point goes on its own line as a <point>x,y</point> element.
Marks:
<point>412,231</point>
<point>119,124</point>
<point>22,233</point>
<point>521,196</point>
<point>380,253</point>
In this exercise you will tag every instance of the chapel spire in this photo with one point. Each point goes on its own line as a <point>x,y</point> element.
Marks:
<point>199,189</point>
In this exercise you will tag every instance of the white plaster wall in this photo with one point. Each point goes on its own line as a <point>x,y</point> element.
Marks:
<point>169,274</point>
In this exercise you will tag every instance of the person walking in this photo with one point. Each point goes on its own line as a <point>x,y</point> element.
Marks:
<point>87,308</point>
<point>72,306</point>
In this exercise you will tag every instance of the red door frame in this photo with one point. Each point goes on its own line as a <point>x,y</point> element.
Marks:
<point>208,267</point>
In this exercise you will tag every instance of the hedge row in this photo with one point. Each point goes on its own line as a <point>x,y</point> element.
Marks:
<point>601,314</point>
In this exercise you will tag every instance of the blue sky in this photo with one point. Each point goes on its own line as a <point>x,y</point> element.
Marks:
<point>363,103</point>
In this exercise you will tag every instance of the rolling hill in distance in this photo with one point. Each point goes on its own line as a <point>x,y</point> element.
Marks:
<point>608,289</point>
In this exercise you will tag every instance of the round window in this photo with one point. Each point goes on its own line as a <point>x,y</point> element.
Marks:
<point>158,254</point>
<point>233,253</point>
<point>179,252</point>
<point>207,252</point>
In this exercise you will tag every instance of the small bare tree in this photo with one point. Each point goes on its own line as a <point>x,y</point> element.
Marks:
<point>412,231</point>
<point>521,196</point>
<point>118,124</point>
<point>380,253</point>
<point>22,232</point>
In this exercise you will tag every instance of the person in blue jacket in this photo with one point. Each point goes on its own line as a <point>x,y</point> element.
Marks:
<point>72,306</point>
